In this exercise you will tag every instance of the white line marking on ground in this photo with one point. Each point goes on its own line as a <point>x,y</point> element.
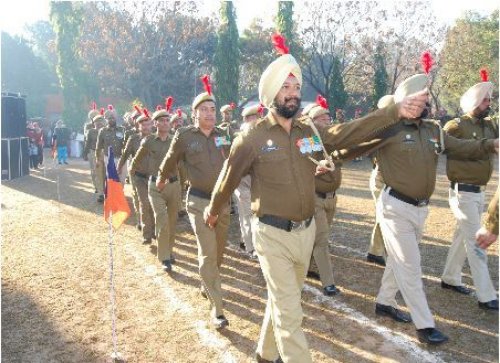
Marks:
<point>207,337</point>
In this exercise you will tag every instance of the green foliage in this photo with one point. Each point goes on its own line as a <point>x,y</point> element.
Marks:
<point>227,56</point>
<point>470,45</point>
<point>285,25</point>
<point>380,77</point>
<point>24,72</point>
<point>336,95</point>
<point>66,19</point>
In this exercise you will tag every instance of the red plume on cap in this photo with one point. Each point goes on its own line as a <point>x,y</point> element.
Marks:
<point>260,109</point>
<point>137,109</point>
<point>159,107</point>
<point>484,75</point>
<point>179,112</point>
<point>102,111</point>
<point>169,102</point>
<point>427,61</point>
<point>110,107</point>
<point>146,112</point>
<point>320,100</point>
<point>206,83</point>
<point>94,106</point>
<point>279,43</point>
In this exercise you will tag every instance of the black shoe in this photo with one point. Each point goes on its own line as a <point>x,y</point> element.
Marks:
<point>378,260</point>
<point>100,199</point>
<point>138,226</point>
<point>259,359</point>
<point>313,275</point>
<point>459,289</point>
<point>146,241</point>
<point>393,313</point>
<point>60,163</point>
<point>127,180</point>
<point>242,246</point>
<point>167,265</point>
<point>331,290</point>
<point>489,305</point>
<point>220,322</point>
<point>431,336</point>
<point>154,237</point>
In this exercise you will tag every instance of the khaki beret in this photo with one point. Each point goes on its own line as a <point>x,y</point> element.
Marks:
<point>409,86</point>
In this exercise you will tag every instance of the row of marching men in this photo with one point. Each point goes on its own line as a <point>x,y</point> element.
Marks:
<point>293,180</point>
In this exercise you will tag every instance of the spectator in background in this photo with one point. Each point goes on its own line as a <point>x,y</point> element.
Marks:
<point>339,116</point>
<point>60,140</point>
<point>35,133</point>
<point>33,153</point>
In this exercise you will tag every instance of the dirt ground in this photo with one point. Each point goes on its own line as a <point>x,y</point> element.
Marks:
<point>56,291</point>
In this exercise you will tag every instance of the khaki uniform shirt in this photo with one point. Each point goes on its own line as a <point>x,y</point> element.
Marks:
<point>407,159</point>
<point>129,132</point>
<point>476,172</point>
<point>110,136</point>
<point>282,175</point>
<point>492,216</point>
<point>130,150</point>
<point>90,141</point>
<point>202,156</point>
<point>152,152</point>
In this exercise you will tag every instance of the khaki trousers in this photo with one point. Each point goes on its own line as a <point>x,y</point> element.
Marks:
<point>135,201</point>
<point>284,260</point>
<point>243,199</point>
<point>467,208</point>
<point>323,215</point>
<point>376,241</point>
<point>99,173</point>
<point>92,164</point>
<point>165,205</point>
<point>146,211</point>
<point>402,226</point>
<point>211,245</point>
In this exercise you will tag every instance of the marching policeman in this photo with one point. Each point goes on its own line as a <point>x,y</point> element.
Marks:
<point>89,147</point>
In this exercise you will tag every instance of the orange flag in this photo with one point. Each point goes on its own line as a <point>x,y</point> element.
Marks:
<point>116,208</point>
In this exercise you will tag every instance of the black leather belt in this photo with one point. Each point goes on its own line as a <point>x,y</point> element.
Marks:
<point>466,187</point>
<point>406,199</point>
<point>330,195</point>
<point>199,193</point>
<point>141,175</point>
<point>284,224</point>
<point>153,178</point>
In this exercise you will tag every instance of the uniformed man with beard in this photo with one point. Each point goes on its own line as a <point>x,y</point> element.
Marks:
<point>276,153</point>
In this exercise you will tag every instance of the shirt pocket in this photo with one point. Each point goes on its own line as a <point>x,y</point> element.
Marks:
<point>194,157</point>
<point>273,167</point>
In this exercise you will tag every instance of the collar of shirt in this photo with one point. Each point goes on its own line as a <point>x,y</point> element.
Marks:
<point>271,121</point>
<point>215,130</point>
<point>407,122</point>
<point>157,137</point>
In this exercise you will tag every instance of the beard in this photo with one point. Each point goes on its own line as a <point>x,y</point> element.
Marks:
<point>287,111</point>
<point>482,114</point>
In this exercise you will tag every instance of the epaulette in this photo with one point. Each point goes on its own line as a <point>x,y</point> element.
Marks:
<point>183,129</point>
<point>147,139</point>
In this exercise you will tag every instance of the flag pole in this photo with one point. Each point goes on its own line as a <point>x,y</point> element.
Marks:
<point>115,355</point>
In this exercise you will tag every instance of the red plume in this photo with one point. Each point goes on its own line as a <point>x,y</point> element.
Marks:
<point>158,108</point>
<point>110,107</point>
<point>206,83</point>
<point>146,112</point>
<point>102,111</point>
<point>232,105</point>
<point>279,43</point>
<point>137,109</point>
<point>179,112</point>
<point>427,61</point>
<point>484,75</point>
<point>169,102</point>
<point>320,100</point>
<point>260,109</point>
<point>94,106</point>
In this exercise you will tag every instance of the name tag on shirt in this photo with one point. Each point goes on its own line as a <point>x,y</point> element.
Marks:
<point>308,145</point>
<point>221,141</point>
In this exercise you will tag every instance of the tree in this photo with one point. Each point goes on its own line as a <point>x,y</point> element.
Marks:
<point>380,75</point>
<point>227,56</point>
<point>285,26</point>
<point>66,19</point>
<point>470,45</point>
<point>24,72</point>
